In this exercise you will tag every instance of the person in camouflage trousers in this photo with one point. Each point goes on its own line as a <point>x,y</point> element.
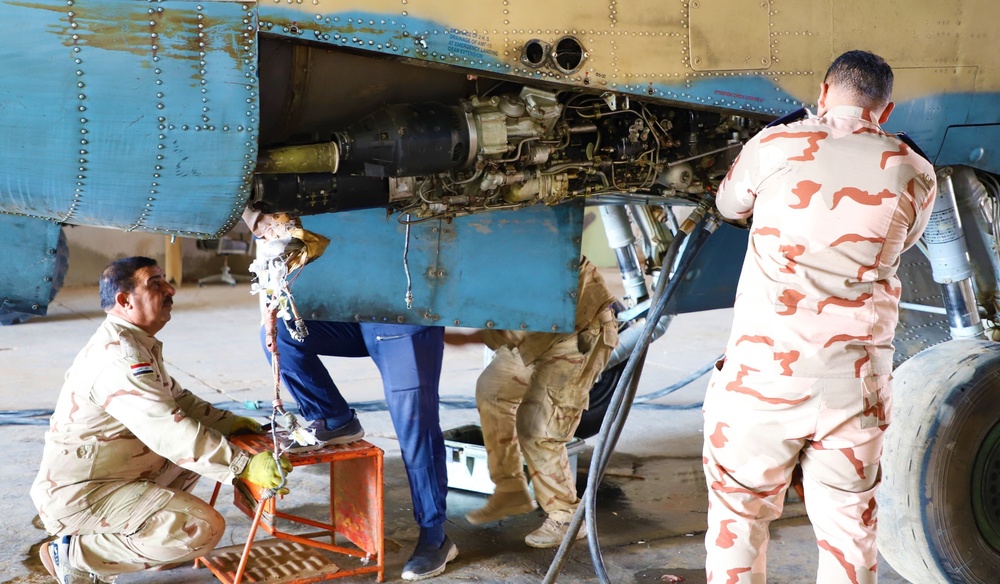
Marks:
<point>126,445</point>
<point>530,399</point>
<point>835,201</point>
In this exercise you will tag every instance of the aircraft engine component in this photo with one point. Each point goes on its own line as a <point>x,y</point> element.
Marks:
<point>950,264</point>
<point>452,143</point>
<point>426,138</point>
<point>677,177</point>
<point>311,194</point>
<point>407,140</point>
<point>306,158</point>
<point>523,146</point>
<point>536,186</point>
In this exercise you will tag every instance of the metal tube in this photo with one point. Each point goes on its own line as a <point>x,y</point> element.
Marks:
<point>922,308</point>
<point>306,158</point>
<point>960,303</point>
<point>944,237</point>
<point>974,207</point>
<point>950,263</point>
<point>619,232</point>
<point>628,339</point>
<point>704,154</point>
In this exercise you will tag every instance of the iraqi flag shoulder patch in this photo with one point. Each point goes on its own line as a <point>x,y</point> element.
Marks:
<point>140,369</point>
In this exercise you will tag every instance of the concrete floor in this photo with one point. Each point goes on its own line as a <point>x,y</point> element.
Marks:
<point>651,509</point>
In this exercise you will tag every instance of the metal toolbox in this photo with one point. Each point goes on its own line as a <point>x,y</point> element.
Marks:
<point>466,457</point>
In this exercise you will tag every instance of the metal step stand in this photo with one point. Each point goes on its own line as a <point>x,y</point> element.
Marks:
<point>356,513</point>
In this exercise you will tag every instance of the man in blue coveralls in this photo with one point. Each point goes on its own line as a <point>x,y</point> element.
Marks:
<point>409,360</point>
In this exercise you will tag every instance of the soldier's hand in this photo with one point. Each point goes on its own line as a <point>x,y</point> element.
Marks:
<point>243,425</point>
<point>262,470</point>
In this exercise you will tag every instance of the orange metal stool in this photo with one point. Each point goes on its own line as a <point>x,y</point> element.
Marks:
<point>356,513</point>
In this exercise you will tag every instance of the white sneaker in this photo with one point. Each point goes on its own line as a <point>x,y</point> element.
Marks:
<point>551,534</point>
<point>55,558</point>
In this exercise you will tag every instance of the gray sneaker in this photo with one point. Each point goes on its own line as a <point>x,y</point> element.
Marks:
<point>351,431</point>
<point>55,558</point>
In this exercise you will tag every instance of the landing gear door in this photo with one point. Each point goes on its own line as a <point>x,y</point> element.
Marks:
<point>711,280</point>
<point>33,264</point>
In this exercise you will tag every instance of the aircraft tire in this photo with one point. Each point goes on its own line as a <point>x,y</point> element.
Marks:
<point>600,398</point>
<point>939,502</point>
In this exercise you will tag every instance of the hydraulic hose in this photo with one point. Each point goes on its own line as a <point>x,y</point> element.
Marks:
<point>621,402</point>
<point>645,398</point>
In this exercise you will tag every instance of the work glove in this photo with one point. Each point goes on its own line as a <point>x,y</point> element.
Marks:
<point>263,471</point>
<point>243,425</point>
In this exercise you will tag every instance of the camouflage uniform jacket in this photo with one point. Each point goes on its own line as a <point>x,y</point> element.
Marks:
<point>121,418</point>
<point>835,202</point>
<point>593,300</point>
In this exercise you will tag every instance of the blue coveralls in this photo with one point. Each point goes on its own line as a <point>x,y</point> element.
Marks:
<point>409,360</point>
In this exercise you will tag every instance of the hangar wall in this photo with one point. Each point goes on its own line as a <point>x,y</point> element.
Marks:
<point>93,248</point>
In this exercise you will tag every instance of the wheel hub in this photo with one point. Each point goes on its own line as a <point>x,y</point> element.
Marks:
<point>986,488</point>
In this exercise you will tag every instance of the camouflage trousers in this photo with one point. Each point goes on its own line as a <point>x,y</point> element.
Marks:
<point>757,428</point>
<point>534,410</point>
<point>142,525</point>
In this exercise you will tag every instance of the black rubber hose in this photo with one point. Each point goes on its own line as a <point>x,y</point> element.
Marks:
<point>608,446</point>
<point>618,409</point>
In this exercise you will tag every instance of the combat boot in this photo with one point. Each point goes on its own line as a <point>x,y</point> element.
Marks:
<point>551,534</point>
<point>502,504</point>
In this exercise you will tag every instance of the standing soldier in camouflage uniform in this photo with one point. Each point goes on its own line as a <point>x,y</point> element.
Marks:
<point>126,445</point>
<point>530,400</point>
<point>835,202</point>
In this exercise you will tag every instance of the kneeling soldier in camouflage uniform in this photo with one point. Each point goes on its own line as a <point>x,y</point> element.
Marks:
<point>127,444</point>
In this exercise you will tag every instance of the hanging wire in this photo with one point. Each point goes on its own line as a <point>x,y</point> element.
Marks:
<point>277,303</point>
<point>406,265</point>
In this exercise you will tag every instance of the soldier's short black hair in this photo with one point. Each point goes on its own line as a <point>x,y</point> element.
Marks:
<point>119,276</point>
<point>864,73</point>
